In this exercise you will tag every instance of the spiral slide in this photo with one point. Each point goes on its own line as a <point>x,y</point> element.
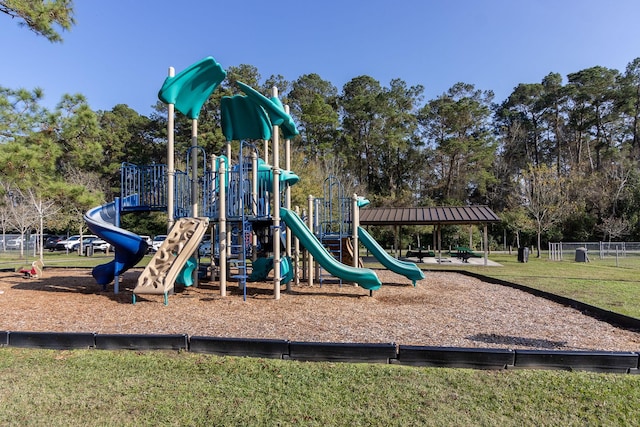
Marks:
<point>129,247</point>
<point>407,269</point>
<point>364,277</point>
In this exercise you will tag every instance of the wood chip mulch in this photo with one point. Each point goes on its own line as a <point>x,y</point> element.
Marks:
<point>445,309</point>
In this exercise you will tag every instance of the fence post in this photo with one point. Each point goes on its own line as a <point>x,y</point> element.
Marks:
<point>601,250</point>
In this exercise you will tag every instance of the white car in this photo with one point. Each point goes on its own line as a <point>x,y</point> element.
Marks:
<point>100,245</point>
<point>157,242</point>
<point>15,242</point>
<point>72,241</point>
<point>147,239</point>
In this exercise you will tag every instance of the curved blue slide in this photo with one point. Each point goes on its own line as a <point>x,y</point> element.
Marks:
<point>129,247</point>
<point>407,269</point>
<point>364,277</point>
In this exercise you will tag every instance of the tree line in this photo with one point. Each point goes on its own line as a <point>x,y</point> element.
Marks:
<point>556,160</point>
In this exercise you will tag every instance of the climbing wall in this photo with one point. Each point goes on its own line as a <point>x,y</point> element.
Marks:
<point>160,275</point>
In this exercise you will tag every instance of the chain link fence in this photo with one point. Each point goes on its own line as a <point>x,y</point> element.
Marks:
<point>567,250</point>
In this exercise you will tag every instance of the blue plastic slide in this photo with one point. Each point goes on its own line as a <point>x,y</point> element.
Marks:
<point>364,277</point>
<point>129,247</point>
<point>407,269</point>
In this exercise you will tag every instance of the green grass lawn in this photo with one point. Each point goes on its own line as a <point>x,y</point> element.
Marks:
<point>96,387</point>
<point>599,282</point>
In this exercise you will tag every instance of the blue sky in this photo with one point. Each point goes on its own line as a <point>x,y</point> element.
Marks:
<point>120,50</point>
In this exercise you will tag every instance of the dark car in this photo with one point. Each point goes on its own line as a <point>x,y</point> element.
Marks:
<point>50,242</point>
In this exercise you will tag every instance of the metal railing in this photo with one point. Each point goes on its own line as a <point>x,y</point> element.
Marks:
<point>561,250</point>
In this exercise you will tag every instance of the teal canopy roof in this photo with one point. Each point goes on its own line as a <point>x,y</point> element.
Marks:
<point>243,119</point>
<point>274,109</point>
<point>189,89</point>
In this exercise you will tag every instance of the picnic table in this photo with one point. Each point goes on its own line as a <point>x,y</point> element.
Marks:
<point>464,253</point>
<point>420,253</point>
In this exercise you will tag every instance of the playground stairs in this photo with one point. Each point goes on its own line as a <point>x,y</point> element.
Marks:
<point>159,276</point>
<point>333,244</point>
<point>239,248</point>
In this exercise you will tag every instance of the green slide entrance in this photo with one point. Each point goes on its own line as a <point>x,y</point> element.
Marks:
<point>364,277</point>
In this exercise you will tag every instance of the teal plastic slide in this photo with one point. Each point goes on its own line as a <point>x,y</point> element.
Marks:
<point>364,277</point>
<point>261,268</point>
<point>407,269</point>
<point>185,277</point>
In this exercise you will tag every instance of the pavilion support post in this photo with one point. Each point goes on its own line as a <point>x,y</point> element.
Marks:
<point>485,239</point>
<point>396,240</point>
<point>439,245</point>
<point>470,236</point>
<point>434,238</point>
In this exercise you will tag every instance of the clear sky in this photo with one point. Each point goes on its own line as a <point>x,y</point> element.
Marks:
<point>119,50</point>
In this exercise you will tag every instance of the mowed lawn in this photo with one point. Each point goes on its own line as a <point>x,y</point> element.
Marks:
<point>606,283</point>
<point>99,387</point>
<point>91,387</point>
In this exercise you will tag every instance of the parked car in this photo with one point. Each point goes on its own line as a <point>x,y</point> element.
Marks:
<point>204,249</point>
<point>149,241</point>
<point>97,244</point>
<point>86,241</point>
<point>68,243</point>
<point>51,242</point>
<point>14,243</point>
<point>100,245</point>
<point>157,242</point>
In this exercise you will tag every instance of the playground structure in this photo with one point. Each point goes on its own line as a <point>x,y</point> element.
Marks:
<point>246,203</point>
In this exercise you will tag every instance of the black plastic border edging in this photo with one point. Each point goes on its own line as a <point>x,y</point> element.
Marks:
<point>52,340</point>
<point>342,352</point>
<point>597,361</point>
<point>616,319</point>
<point>267,348</point>
<point>141,342</point>
<point>386,353</point>
<point>456,357</point>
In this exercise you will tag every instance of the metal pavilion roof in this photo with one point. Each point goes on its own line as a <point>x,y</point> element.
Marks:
<point>444,215</point>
